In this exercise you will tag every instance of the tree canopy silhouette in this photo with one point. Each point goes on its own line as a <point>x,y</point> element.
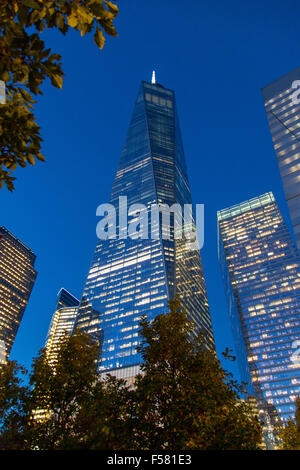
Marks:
<point>25,62</point>
<point>183,399</point>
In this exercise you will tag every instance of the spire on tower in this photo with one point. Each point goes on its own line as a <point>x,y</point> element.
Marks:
<point>153,81</point>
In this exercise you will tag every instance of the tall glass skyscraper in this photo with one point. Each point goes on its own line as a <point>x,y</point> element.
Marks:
<point>282,105</point>
<point>261,272</point>
<point>17,277</point>
<point>65,299</point>
<point>62,322</point>
<point>131,277</point>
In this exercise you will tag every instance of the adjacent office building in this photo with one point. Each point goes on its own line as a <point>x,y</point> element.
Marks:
<point>261,272</point>
<point>282,104</point>
<point>131,277</point>
<point>17,277</point>
<point>62,322</point>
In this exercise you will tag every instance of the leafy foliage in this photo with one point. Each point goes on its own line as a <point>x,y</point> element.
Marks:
<point>290,433</point>
<point>65,406</point>
<point>183,399</point>
<point>25,63</point>
<point>14,409</point>
<point>63,390</point>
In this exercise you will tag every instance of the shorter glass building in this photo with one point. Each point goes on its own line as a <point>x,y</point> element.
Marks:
<point>65,299</point>
<point>261,272</point>
<point>17,277</point>
<point>62,322</point>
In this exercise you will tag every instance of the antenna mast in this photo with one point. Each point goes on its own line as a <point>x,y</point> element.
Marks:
<point>153,81</point>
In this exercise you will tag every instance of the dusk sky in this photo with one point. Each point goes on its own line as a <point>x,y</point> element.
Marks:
<point>216,56</point>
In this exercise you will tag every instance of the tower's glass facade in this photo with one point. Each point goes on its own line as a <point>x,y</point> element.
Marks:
<point>131,277</point>
<point>17,277</point>
<point>282,106</point>
<point>261,271</point>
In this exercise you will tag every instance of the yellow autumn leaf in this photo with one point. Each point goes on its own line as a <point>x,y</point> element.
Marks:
<point>31,159</point>
<point>99,38</point>
<point>72,21</point>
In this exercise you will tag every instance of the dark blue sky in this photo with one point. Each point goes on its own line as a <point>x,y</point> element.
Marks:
<point>216,56</point>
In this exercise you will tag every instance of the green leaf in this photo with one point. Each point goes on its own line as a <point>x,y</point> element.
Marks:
<point>99,38</point>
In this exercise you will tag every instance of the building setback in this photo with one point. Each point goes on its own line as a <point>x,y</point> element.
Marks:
<point>17,277</point>
<point>62,323</point>
<point>130,277</point>
<point>282,104</point>
<point>261,272</point>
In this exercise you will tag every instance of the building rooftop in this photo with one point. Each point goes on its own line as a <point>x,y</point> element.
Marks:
<point>7,232</point>
<point>238,209</point>
<point>282,83</point>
